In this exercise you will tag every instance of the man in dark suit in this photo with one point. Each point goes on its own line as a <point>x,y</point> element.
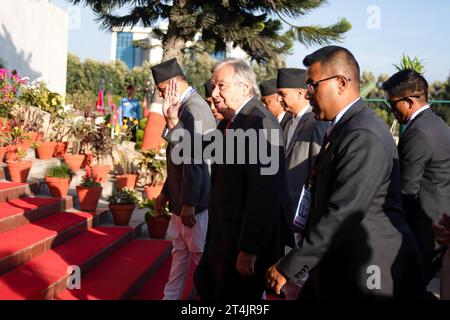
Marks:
<point>424,151</point>
<point>248,217</point>
<point>269,97</point>
<point>304,134</point>
<point>188,183</point>
<point>356,242</point>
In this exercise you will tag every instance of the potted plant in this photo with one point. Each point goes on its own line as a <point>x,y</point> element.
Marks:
<point>58,178</point>
<point>122,204</point>
<point>101,144</point>
<point>3,148</point>
<point>59,133</point>
<point>78,131</point>
<point>12,139</point>
<point>30,120</point>
<point>19,168</point>
<point>152,167</point>
<point>157,223</point>
<point>89,192</point>
<point>52,106</point>
<point>126,171</point>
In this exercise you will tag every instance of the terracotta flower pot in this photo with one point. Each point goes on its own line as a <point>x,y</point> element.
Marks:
<point>19,170</point>
<point>157,226</point>
<point>74,161</point>
<point>100,172</point>
<point>45,150</point>
<point>121,213</point>
<point>58,186</point>
<point>60,149</point>
<point>152,192</point>
<point>89,197</point>
<point>126,180</point>
<point>11,153</point>
<point>33,136</point>
<point>2,153</point>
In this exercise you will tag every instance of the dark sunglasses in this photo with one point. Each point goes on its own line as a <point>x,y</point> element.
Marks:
<point>393,103</point>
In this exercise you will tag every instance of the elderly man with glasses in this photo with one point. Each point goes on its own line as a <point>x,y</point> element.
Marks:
<point>356,243</point>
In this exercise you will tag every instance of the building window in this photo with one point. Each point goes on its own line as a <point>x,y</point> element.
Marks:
<point>125,49</point>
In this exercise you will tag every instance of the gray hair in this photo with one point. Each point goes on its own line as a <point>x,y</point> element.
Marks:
<point>242,72</point>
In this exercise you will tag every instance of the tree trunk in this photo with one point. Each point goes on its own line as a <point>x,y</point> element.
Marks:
<point>173,47</point>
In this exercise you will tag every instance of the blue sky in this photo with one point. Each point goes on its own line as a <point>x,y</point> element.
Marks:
<point>382,31</point>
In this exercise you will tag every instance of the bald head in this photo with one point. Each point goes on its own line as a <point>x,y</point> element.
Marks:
<point>336,60</point>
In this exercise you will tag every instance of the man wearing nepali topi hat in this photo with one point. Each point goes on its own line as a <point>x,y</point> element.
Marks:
<point>303,135</point>
<point>188,184</point>
<point>269,96</point>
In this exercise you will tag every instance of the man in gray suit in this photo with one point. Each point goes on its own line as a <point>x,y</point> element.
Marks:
<point>303,134</point>
<point>188,184</point>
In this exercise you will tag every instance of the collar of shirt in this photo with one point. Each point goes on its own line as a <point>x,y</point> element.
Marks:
<point>299,115</point>
<point>186,93</point>
<point>239,109</point>
<point>340,115</point>
<point>415,114</point>
<point>281,116</point>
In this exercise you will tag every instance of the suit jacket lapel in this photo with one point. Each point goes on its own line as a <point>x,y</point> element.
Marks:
<point>299,128</point>
<point>286,131</point>
<point>335,134</point>
<point>238,122</point>
<point>417,117</point>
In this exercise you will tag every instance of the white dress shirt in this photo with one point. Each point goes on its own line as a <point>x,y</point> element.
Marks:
<point>415,114</point>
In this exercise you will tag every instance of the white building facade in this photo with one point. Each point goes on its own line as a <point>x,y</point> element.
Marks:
<point>34,41</point>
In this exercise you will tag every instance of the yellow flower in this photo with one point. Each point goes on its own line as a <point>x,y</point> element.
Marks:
<point>109,125</point>
<point>125,127</point>
<point>135,121</point>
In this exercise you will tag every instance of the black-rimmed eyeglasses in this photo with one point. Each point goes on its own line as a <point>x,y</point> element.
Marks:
<point>312,87</point>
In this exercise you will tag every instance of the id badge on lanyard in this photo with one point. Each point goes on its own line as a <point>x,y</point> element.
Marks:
<point>303,207</point>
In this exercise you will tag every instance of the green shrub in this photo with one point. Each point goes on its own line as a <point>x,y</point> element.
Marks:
<point>59,171</point>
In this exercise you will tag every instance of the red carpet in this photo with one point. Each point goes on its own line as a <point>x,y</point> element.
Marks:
<point>154,288</point>
<point>21,205</point>
<point>33,233</point>
<point>111,279</point>
<point>9,185</point>
<point>34,279</point>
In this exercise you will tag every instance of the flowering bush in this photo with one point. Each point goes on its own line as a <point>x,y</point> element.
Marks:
<point>39,96</point>
<point>10,84</point>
